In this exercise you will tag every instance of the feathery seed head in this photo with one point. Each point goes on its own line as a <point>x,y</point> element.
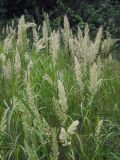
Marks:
<point>35,36</point>
<point>39,45</point>
<point>110,58</point>
<point>30,65</point>
<point>97,43</point>
<point>66,33</point>
<point>8,43</point>
<point>3,124</point>
<point>30,25</point>
<point>17,63</point>
<point>45,34</point>
<point>7,69</point>
<point>55,152</point>
<point>95,79</point>
<point>72,128</point>
<point>78,72</point>
<point>107,45</point>
<point>63,135</point>
<point>62,97</point>
<point>54,45</point>
<point>80,34</point>
<point>48,79</point>
<point>98,128</point>
<point>62,116</point>
<point>22,27</point>
<point>2,57</point>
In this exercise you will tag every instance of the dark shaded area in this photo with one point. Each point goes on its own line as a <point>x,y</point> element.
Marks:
<point>95,12</point>
<point>12,8</point>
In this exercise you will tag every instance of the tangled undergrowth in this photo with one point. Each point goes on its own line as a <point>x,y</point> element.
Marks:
<point>59,97</point>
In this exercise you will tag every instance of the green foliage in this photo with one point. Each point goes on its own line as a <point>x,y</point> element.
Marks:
<point>96,13</point>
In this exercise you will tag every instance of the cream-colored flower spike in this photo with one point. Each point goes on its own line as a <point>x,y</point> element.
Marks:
<point>7,29</point>
<point>71,45</point>
<point>8,43</point>
<point>3,123</point>
<point>80,34</point>
<point>2,57</point>
<point>98,128</point>
<point>39,45</point>
<point>48,79</point>
<point>62,97</point>
<point>30,25</point>
<point>22,27</point>
<point>17,63</point>
<point>7,69</point>
<point>95,78</point>
<point>54,147</point>
<point>98,38</point>
<point>85,44</point>
<point>110,58</point>
<point>66,33</point>
<point>107,44</point>
<point>45,34</point>
<point>78,72</point>
<point>63,137</point>
<point>86,39</point>
<point>37,42</point>
<point>62,117</point>
<point>35,36</point>
<point>72,128</point>
<point>95,48</point>
<point>54,45</point>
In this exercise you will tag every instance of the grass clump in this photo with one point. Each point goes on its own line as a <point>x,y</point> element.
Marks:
<point>59,97</point>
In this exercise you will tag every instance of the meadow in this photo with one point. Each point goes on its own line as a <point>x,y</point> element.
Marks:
<point>59,94</point>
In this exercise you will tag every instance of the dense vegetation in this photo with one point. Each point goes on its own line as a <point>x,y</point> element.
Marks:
<point>59,97</point>
<point>97,13</point>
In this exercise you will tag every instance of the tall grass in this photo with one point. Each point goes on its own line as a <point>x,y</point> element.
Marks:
<point>59,97</point>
